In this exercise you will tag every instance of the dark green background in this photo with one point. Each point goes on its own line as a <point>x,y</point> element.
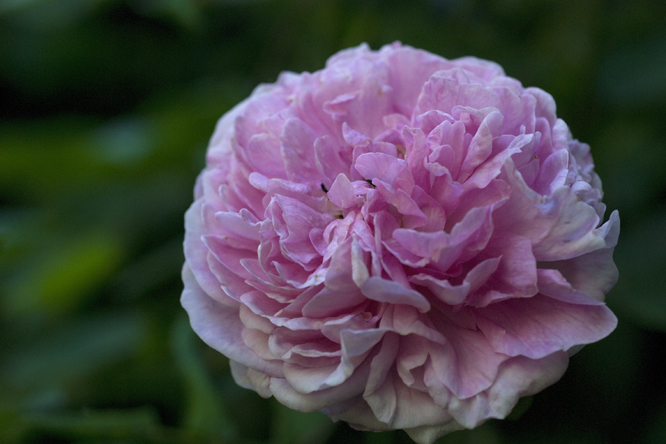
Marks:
<point>106,107</point>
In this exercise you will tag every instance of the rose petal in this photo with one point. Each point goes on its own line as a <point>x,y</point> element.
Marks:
<point>539,326</point>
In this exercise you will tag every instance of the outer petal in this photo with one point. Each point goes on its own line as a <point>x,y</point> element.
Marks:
<point>251,379</point>
<point>310,402</point>
<point>594,274</point>
<point>383,290</point>
<point>539,326</point>
<point>516,378</point>
<point>196,254</point>
<point>422,419</point>
<point>220,327</point>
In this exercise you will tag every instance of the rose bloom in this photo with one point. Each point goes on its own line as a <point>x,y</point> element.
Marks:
<point>399,241</point>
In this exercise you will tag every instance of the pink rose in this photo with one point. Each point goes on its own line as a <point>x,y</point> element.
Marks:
<point>398,241</point>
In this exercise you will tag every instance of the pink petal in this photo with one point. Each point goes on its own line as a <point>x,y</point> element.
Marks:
<point>594,274</point>
<point>386,168</point>
<point>517,377</point>
<point>553,284</point>
<point>342,193</point>
<point>285,393</point>
<point>297,149</point>
<point>422,244</point>
<point>538,326</point>
<point>263,153</point>
<point>382,290</point>
<point>331,159</point>
<point>251,379</point>
<point>467,364</point>
<point>196,253</point>
<point>449,88</point>
<point>220,327</point>
<point>481,145</point>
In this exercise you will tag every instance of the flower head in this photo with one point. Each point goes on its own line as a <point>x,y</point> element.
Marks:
<point>398,240</point>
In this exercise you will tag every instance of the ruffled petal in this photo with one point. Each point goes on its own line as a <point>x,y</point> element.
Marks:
<point>220,327</point>
<point>539,326</point>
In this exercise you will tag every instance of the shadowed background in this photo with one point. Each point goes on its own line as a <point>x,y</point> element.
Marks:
<point>106,107</point>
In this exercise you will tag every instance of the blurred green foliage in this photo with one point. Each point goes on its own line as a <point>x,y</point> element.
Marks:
<point>106,109</point>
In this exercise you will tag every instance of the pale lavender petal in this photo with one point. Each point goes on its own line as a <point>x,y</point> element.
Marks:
<point>331,159</point>
<point>594,274</point>
<point>382,290</point>
<point>229,282</point>
<point>251,379</point>
<point>263,151</point>
<point>426,245</point>
<point>297,149</point>
<point>220,327</point>
<point>380,366</point>
<point>516,273</point>
<point>310,402</point>
<point>449,88</point>
<point>386,168</point>
<point>343,194</point>
<point>516,378</point>
<point>409,69</point>
<point>416,156</point>
<point>551,283</point>
<point>416,408</point>
<point>196,253</point>
<point>481,144</point>
<point>485,173</point>
<point>330,303</point>
<point>408,322</point>
<point>539,326</point>
<point>467,364</point>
